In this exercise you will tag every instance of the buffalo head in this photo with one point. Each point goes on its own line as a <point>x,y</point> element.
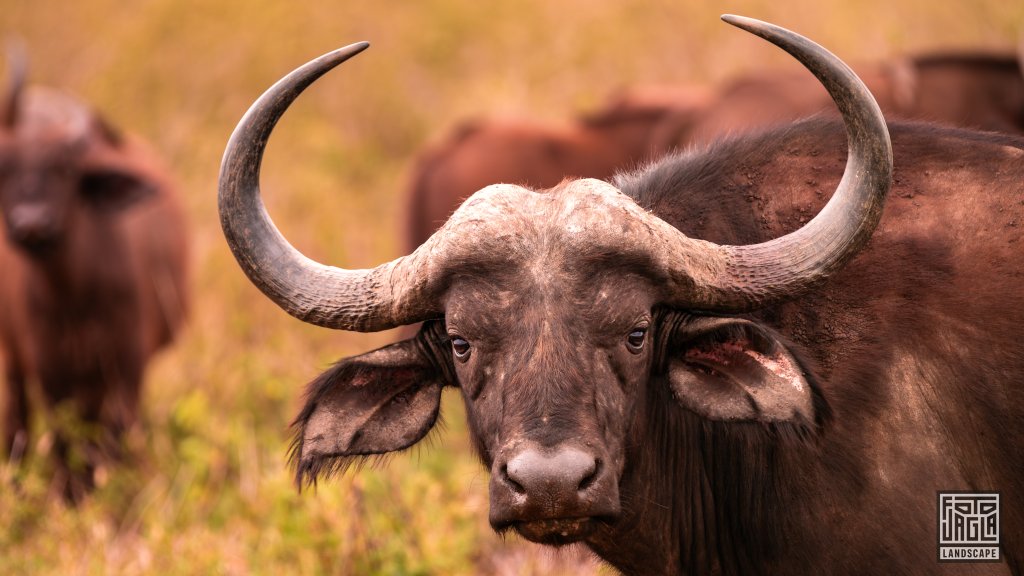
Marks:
<point>555,313</point>
<point>55,155</point>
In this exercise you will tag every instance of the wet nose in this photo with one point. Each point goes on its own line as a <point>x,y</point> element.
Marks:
<point>559,476</point>
<point>551,484</point>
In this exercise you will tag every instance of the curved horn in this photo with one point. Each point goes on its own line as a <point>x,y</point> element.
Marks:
<point>17,70</point>
<point>362,300</point>
<point>745,278</point>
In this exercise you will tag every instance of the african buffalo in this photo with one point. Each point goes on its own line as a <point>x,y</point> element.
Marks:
<point>94,271</point>
<point>623,134</point>
<point>785,395</point>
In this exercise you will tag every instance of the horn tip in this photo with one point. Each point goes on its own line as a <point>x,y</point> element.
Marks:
<point>339,55</point>
<point>743,22</point>
<point>356,47</point>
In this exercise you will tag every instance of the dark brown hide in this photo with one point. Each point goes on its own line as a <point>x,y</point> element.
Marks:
<point>94,281</point>
<point>915,347</point>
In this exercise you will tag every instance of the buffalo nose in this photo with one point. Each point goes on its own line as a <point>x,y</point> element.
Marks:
<point>32,225</point>
<point>561,475</point>
<point>552,494</point>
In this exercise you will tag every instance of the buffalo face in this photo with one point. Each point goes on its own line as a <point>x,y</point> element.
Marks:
<point>550,373</point>
<point>59,161</point>
<point>36,190</point>
<point>554,355</point>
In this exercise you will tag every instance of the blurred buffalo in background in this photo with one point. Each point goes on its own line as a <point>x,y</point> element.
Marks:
<point>981,91</point>
<point>633,127</point>
<point>94,274</point>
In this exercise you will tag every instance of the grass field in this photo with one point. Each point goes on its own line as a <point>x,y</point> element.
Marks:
<point>211,493</point>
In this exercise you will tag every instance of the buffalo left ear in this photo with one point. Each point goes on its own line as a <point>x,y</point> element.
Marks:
<point>733,369</point>
<point>110,181</point>
<point>379,402</point>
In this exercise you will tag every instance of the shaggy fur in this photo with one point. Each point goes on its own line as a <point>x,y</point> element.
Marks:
<point>911,355</point>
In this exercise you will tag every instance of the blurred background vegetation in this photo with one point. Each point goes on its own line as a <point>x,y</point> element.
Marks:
<point>210,492</point>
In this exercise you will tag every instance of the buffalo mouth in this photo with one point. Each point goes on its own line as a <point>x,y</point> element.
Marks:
<point>36,247</point>
<point>556,531</point>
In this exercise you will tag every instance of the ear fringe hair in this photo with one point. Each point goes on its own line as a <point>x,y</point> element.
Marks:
<point>309,472</point>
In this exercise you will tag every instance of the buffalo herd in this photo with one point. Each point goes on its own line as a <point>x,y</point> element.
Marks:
<point>983,91</point>
<point>752,328</point>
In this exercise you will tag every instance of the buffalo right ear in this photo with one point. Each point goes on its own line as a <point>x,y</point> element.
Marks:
<point>112,181</point>
<point>734,369</point>
<point>372,404</point>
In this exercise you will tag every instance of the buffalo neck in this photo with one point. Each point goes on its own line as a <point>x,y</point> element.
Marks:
<point>84,270</point>
<point>697,494</point>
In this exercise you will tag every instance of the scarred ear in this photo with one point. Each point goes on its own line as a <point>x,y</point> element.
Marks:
<point>733,369</point>
<point>372,404</point>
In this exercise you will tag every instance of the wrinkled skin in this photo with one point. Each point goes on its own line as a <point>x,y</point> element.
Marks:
<point>93,255</point>
<point>809,438</point>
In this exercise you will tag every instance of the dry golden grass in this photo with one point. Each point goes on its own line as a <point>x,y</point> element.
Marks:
<point>211,493</point>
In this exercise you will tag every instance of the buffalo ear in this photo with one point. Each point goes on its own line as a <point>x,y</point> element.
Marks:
<point>733,369</point>
<point>379,402</point>
<point>110,181</point>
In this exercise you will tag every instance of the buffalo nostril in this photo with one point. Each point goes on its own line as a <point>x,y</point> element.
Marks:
<point>590,478</point>
<point>516,486</point>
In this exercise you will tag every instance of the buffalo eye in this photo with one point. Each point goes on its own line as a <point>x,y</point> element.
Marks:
<point>635,340</point>
<point>460,346</point>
